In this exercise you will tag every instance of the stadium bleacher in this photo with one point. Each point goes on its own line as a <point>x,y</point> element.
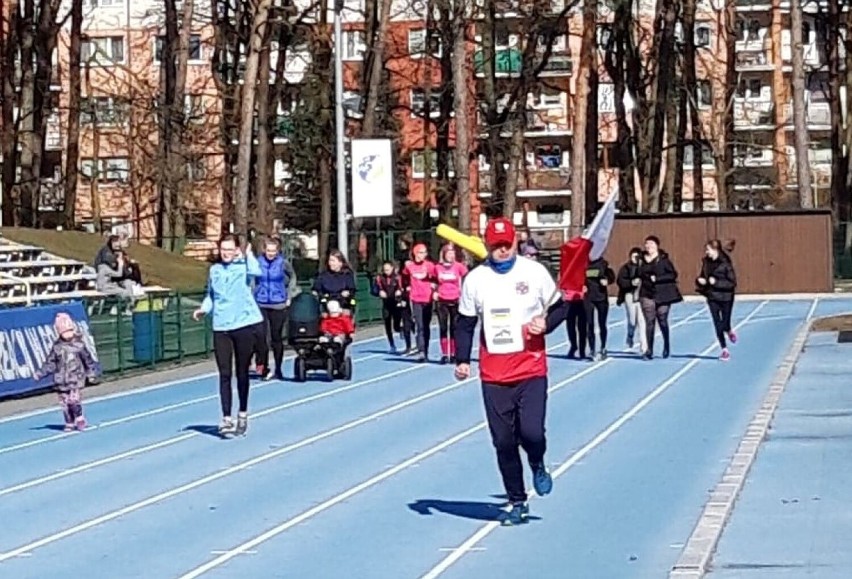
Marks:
<point>30,275</point>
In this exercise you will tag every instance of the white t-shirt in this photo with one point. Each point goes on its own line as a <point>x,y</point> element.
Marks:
<point>505,304</point>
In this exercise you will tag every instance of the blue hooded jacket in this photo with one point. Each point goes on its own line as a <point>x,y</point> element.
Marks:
<point>275,283</point>
<point>229,294</point>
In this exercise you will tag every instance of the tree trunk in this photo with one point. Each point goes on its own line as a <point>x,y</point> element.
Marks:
<point>26,115</point>
<point>676,124</point>
<point>581,108</point>
<point>72,145</point>
<point>725,159</point>
<point>800,121</point>
<point>839,156</point>
<point>247,102</point>
<point>696,133</point>
<point>590,158</point>
<point>94,194</point>
<point>614,61</point>
<point>178,165</point>
<point>461,75</point>
<point>9,139</point>
<point>263,175</point>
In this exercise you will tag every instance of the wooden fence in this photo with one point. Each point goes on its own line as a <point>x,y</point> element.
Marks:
<point>776,252</point>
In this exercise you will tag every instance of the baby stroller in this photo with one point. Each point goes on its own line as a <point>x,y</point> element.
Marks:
<point>313,352</point>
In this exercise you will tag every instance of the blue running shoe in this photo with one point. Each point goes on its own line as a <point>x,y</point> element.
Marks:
<point>517,515</point>
<point>542,481</point>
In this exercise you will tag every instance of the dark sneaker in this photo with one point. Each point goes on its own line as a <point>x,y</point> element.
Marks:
<point>518,514</point>
<point>242,426</point>
<point>542,481</point>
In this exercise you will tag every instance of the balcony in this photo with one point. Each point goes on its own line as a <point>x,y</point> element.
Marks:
<point>533,183</point>
<point>757,156</point>
<point>753,56</point>
<point>754,114</point>
<point>558,65</point>
<point>818,115</point>
<point>548,123</point>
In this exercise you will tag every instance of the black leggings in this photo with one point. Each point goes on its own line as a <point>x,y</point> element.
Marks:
<point>234,346</point>
<point>602,308</point>
<point>448,313</point>
<point>577,323</point>
<point>422,321</point>
<point>721,314</point>
<point>655,314</point>
<point>273,327</point>
<point>397,319</point>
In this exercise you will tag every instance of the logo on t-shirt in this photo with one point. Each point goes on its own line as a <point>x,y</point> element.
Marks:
<point>522,288</point>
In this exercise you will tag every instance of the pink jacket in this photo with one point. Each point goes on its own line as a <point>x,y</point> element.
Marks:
<point>418,278</point>
<point>449,277</point>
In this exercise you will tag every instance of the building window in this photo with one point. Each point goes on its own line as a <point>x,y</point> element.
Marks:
<point>105,3</point>
<point>748,30</point>
<point>418,40</point>
<point>749,88</point>
<point>702,36</point>
<point>705,93</point>
<point>547,157</point>
<point>195,224</point>
<point>109,170</point>
<point>102,51</point>
<point>193,108</point>
<point>194,49</point>
<point>418,103</point>
<point>707,157</point>
<point>354,45</point>
<point>103,111</point>
<point>421,161</point>
<point>196,170</point>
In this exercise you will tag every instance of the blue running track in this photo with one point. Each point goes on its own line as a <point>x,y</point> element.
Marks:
<point>392,475</point>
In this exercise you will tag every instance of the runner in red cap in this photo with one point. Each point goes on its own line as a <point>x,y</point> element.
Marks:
<point>511,296</point>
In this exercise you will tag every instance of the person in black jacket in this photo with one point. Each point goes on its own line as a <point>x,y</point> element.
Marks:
<point>337,282</point>
<point>628,281</point>
<point>657,292</point>
<point>717,282</point>
<point>598,277</point>
<point>395,311</point>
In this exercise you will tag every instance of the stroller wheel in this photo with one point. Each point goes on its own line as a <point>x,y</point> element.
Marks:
<point>346,371</point>
<point>330,368</point>
<point>300,371</point>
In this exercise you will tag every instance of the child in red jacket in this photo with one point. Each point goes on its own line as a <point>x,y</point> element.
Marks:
<point>336,326</point>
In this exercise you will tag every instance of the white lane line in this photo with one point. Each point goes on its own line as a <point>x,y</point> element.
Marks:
<point>145,389</point>
<point>413,461</point>
<point>174,440</point>
<point>145,414</point>
<point>602,436</point>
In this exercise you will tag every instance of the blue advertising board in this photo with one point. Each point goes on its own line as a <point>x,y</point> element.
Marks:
<point>26,337</point>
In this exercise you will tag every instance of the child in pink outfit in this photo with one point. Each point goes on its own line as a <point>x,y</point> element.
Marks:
<point>418,279</point>
<point>449,273</point>
<point>72,365</point>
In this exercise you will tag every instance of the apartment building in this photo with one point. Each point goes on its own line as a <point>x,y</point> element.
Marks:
<point>119,163</point>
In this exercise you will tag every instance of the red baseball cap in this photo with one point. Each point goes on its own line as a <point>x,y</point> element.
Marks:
<point>499,231</point>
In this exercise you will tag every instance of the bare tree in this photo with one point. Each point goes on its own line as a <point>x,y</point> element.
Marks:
<point>800,121</point>
<point>72,148</point>
<point>461,72</point>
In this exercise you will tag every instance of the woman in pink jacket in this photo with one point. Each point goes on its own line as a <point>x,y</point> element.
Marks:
<point>449,273</point>
<point>418,277</point>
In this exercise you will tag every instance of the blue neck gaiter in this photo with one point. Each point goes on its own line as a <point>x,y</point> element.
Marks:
<point>502,266</point>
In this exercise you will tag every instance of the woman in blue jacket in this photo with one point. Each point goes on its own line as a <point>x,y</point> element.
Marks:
<point>236,320</point>
<point>273,291</point>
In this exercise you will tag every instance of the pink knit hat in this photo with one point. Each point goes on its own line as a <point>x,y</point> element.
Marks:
<point>64,324</point>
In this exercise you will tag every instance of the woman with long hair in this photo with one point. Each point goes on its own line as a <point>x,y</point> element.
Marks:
<point>273,291</point>
<point>236,317</point>
<point>395,311</point>
<point>337,282</point>
<point>449,273</point>
<point>418,277</point>
<point>657,292</point>
<point>598,277</point>
<point>717,282</point>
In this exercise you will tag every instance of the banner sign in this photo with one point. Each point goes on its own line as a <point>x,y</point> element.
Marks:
<point>26,337</point>
<point>372,178</point>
